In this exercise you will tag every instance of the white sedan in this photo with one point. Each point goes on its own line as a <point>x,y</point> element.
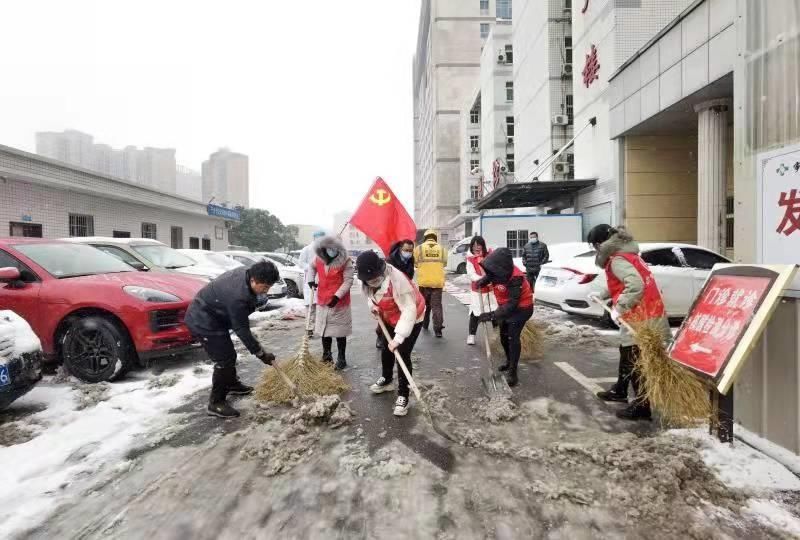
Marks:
<point>680,271</point>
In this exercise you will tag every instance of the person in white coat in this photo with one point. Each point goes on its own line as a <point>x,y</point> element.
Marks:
<point>475,272</point>
<point>307,257</point>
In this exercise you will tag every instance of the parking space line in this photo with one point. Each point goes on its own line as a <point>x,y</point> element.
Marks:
<point>605,380</point>
<point>579,377</point>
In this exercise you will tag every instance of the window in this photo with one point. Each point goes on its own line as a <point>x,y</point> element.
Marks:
<point>207,244</point>
<point>176,237</point>
<point>123,256</point>
<point>509,91</point>
<point>219,233</point>
<point>81,225</point>
<point>510,126</point>
<point>30,230</point>
<point>462,248</point>
<point>701,259</point>
<point>474,142</point>
<point>474,164</point>
<point>509,54</point>
<point>515,241</point>
<point>484,30</point>
<point>25,273</point>
<point>244,260</point>
<point>510,162</point>
<point>468,228</point>
<point>661,257</point>
<point>474,192</point>
<point>567,49</point>
<point>194,243</point>
<point>569,109</point>
<point>120,234</point>
<point>149,230</point>
<point>567,4</point>
<point>474,116</point>
<point>504,9</point>
<point>484,7</point>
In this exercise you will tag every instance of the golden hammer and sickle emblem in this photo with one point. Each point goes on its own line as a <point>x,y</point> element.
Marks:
<point>380,197</point>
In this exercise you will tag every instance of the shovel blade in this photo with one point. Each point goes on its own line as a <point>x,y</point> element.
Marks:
<point>496,386</point>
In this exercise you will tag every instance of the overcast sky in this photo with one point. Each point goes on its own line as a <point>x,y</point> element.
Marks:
<point>316,92</point>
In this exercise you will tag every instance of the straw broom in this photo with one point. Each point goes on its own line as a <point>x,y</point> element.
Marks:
<point>675,392</point>
<point>312,376</point>
<point>531,341</point>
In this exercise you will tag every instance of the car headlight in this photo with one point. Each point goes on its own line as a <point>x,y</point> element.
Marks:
<point>150,295</point>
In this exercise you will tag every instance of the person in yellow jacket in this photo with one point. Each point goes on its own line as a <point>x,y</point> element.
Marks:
<point>430,258</point>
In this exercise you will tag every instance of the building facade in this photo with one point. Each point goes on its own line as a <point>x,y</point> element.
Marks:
<point>354,240</point>
<point>226,178</point>
<point>51,199</point>
<point>446,69</point>
<point>188,183</point>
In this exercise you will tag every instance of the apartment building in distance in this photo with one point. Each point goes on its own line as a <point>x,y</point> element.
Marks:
<point>226,178</point>
<point>445,71</point>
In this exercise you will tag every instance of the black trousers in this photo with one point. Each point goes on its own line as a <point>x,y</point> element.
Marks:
<point>341,345</point>
<point>510,332</point>
<point>627,374</point>
<point>532,276</point>
<point>221,351</point>
<point>388,360</point>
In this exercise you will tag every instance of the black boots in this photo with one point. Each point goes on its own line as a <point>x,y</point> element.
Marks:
<point>222,381</point>
<point>341,348</point>
<point>613,394</point>
<point>240,389</point>
<point>505,366</point>
<point>635,412</point>
<point>511,376</point>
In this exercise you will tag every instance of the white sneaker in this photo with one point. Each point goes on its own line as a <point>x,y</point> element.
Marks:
<point>381,386</point>
<point>401,406</point>
<point>470,340</point>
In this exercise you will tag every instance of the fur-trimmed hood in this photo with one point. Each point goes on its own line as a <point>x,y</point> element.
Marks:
<point>331,242</point>
<point>620,242</point>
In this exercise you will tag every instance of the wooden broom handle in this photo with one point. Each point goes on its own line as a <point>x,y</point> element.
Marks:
<point>608,309</point>
<point>400,361</point>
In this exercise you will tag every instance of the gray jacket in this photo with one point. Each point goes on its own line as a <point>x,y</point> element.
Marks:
<point>535,255</point>
<point>225,304</point>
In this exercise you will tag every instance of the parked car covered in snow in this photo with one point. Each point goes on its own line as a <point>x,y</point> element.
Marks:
<point>20,355</point>
<point>145,254</point>
<point>291,274</point>
<point>90,310</point>
<point>206,258</point>
<point>247,258</point>
<point>680,271</point>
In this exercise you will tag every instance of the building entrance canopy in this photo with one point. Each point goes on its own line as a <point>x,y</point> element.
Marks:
<point>529,194</point>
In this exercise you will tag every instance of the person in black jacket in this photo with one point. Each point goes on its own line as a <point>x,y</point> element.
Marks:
<point>534,255</point>
<point>514,305</point>
<point>226,304</point>
<point>401,256</point>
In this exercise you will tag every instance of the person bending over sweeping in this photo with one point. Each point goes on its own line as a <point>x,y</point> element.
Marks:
<point>514,305</point>
<point>477,247</point>
<point>396,300</point>
<point>636,300</point>
<point>226,304</point>
<point>333,271</point>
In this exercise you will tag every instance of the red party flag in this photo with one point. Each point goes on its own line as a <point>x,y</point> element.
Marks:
<point>382,218</point>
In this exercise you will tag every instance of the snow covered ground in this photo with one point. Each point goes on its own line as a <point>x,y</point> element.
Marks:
<point>65,435</point>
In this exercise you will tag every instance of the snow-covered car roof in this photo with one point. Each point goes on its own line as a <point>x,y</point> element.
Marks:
<point>119,241</point>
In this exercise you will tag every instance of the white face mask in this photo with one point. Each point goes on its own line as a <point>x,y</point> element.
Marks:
<point>375,282</point>
<point>534,240</point>
<point>331,252</point>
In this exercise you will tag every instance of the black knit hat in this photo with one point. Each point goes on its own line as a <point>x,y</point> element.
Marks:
<point>600,233</point>
<point>369,266</point>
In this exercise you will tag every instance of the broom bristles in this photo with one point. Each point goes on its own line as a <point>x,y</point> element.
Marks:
<point>312,377</point>
<point>530,343</point>
<point>680,397</point>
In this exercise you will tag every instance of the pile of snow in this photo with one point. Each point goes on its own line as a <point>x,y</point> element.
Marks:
<point>287,309</point>
<point>77,439</point>
<point>16,337</point>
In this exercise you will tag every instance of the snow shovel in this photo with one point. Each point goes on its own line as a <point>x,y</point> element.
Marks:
<point>414,387</point>
<point>494,384</point>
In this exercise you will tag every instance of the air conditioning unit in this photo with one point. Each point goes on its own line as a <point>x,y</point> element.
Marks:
<point>475,149</point>
<point>560,120</point>
<point>560,167</point>
<point>503,168</point>
<point>501,58</point>
<point>566,70</point>
<point>510,140</point>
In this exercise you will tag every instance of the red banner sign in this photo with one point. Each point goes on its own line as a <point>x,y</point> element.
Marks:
<point>718,320</point>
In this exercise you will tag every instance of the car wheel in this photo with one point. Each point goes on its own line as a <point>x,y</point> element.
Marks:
<point>462,268</point>
<point>94,349</point>
<point>292,290</point>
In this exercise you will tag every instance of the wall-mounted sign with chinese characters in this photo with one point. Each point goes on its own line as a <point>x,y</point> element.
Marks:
<point>727,319</point>
<point>779,205</point>
<point>591,68</point>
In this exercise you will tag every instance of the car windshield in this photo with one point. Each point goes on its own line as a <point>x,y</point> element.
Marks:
<point>221,260</point>
<point>163,256</point>
<point>72,260</point>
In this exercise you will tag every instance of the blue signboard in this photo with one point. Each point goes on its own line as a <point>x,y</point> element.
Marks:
<point>230,214</point>
<point>27,218</point>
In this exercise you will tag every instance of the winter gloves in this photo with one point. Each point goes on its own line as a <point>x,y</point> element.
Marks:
<point>333,302</point>
<point>486,317</point>
<point>485,281</point>
<point>265,357</point>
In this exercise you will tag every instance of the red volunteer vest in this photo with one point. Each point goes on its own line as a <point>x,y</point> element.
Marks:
<point>525,297</point>
<point>329,283</point>
<point>475,261</point>
<point>390,311</point>
<point>651,305</point>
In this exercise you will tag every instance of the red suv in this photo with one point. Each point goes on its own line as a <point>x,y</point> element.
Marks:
<point>90,310</point>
